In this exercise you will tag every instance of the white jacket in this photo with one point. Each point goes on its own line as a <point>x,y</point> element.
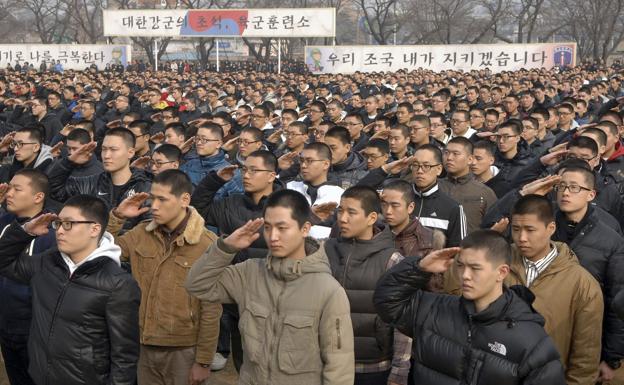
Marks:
<point>325,194</point>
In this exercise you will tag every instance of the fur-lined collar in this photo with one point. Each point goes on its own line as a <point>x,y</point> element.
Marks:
<point>192,232</point>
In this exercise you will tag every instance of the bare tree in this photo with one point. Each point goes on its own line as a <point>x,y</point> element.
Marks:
<point>51,19</point>
<point>380,18</point>
<point>87,19</point>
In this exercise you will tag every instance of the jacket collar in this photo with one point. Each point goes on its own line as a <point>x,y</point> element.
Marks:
<point>191,234</point>
<point>460,180</point>
<point>427,193</point>
<point>564,260</point>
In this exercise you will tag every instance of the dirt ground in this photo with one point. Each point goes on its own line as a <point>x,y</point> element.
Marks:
<point>226,376</point>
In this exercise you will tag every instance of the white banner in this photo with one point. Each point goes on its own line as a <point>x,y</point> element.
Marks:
<point>71,56</point>
<point>466,57</point>
<point>295,22</point>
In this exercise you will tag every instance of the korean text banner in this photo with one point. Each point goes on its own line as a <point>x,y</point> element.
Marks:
<point>71,56</point>
<point>296,22</point>
<point>496,57</point>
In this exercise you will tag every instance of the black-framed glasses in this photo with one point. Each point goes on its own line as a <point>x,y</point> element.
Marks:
<point>201,140</point>
<point>243,142</point>
<point>67,225</point>
<point>158,164</point>
<point>308,161</point>
<point>424,167</point>
<point>504,138</point>
<point>574,188</point>
<point>253,171</point>
<point>18,145</point>
<point>291,134</point>
<point>372,157</point>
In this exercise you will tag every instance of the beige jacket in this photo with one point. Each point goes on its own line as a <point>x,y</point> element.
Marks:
<point>294,316</point>
<point>168,315</point>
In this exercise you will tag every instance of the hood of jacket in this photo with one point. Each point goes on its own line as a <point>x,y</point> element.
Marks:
<point>44,154</point>
<point>355,161</point>
<point>359,250</point>
<point>287,269</point>
<point>106,248</point>
<point>619,152</point>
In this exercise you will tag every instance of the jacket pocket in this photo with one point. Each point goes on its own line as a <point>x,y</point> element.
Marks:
<point>146,261</point>
<point>299,350</point>
<point>253,328</point>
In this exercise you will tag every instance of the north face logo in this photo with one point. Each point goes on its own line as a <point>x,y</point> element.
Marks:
<point>433,214</point>
<point>499,348</point>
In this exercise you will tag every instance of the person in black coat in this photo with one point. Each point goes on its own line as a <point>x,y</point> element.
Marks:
<point>85,309</point>
<point>490,335</point>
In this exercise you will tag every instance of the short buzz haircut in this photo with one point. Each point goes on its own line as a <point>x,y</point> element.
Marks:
<point>38,180</point>
<point>486,145</point>
<point>405,131</point>
<point>254,132</point>
<point>437,154</point>
<point>143,125</point>
<point>465,143</point>
<point>381,144</point>
<point>79,135</point>
<point>169,151</point>
<point>293,200</point>
<point>322,150</point>
<point>584,142</point>
<point>301,127</point>
<point>422,119</point>
<point>340,133</point>
<point>176,180</point>
<point>92,208</point>
<point>126,135</point>
<point>34,133</point>
<point>602,137</point>
<point>514,124</point>
<point>213,128</point>
<point>402,186</point>
<point>268,159</point>
<point>367,196</point>
<point>535,204</point>
<point>583,169</point>
<point>495,246</point>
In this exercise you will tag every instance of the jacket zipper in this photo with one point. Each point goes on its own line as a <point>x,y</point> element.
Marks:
<point>338,332</point>
<point>344,274</point>
<point>470,330</point>
<point>56,308</point>
<point>277,314</point>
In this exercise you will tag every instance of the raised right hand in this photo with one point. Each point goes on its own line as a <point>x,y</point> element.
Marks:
<point>244,236</point>
<point>230,144</point>
<point>541,186</point>
<point>39,226</point>
<point>227,172</point>
<point>131,206</point>
<point>397,166</point>
<point>83,154</point>
<point>552,158</point>
<point>286,161</point>
<point>157,138</point>
<point>5,143</point>
<point>438,261</point>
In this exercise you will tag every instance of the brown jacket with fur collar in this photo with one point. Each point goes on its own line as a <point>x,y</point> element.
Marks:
<point>168,315</point>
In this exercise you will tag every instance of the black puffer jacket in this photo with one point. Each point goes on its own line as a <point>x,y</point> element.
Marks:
<point>85,327</point>
<point>228,214</point>
<point>349,172</point>
<point>509,169</point>
<point>601,251</point>
<point>504,344</point>
<point>63,186</point>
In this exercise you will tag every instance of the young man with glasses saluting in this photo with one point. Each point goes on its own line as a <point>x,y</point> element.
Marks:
<point>208,142</point>
<point>85,325</point>
<point>29,152</point>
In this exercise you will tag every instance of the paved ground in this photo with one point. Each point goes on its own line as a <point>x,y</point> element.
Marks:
<point>226,376</point>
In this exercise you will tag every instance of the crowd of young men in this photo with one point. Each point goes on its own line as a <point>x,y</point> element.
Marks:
<point>398,228</point>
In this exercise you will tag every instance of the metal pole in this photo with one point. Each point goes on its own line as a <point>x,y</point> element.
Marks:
<point>217,42</point>
<point>279,56</point>
<point>155,54</point>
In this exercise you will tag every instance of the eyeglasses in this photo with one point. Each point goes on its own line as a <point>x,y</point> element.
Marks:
<point>201,140</point>
<point>424,167</point>
<point>67,225</point>
<point>574,188</point>
<point>504,138</point>
<point>140,135</point>
<point>308,161</point>
<point>258,116</point>
<point>317,111</point>
<point>18,145</point>
<point>253,171</point>
<point>351,123</point>
<point>243,142</point>
<point>454,121</point>
<point>371,156</point>
<point>158,164</point>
